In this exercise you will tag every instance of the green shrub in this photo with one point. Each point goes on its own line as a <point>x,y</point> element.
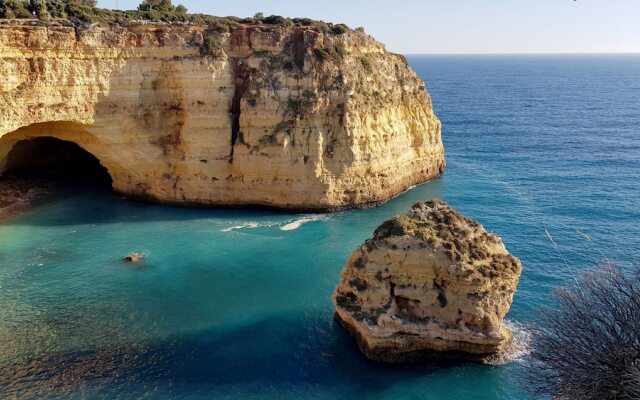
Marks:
<point>366,65</point>
<point>340,29</point>
<point>277,20</point>
<point>333,53</point>
<point>14,9</point>
<point>322,54</point>
<point>309,96</point>
<point>397,226</point>
<point>294,106</point>
<point>39,7</point>
<point>85,11</point>
<point>251,21</point>
<point>403,59</point>
<point>162,6</point>
<point>319,26</point>
<point>303,21</point>
<point>284,126</point>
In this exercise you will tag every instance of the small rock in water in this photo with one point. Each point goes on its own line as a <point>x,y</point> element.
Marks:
<point>134,258</point>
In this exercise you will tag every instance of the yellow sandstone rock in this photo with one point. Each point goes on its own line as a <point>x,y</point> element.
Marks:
<point>263,115</point>
<point>430,284</point>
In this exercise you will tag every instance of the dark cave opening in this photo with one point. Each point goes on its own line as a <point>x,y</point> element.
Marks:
<point>55,161</point>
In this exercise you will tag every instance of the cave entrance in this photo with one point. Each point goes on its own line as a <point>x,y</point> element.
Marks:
<point>57,161</point>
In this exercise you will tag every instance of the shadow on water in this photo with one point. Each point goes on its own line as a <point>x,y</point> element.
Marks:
<point>58,183</point>
<point>76,190</point>
<point>83,205</point>
<point>99,205</point>
<point>281,353</point>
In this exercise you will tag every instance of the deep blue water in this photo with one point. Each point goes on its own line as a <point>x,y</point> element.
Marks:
<point>533,143</point>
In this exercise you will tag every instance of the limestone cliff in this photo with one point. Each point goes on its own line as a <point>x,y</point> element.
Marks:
<point>261,115</point>
<point>430,284</point>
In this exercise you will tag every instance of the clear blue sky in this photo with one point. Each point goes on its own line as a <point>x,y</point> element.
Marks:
<point>460,26</point>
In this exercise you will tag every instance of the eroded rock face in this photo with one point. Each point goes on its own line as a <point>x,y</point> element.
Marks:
<point>430,284</point>
<point>262,115</point>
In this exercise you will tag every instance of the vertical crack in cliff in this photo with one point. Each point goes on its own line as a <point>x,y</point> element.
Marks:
<point>299,49</point>
<point>242,77</point>
<point>442,297</point>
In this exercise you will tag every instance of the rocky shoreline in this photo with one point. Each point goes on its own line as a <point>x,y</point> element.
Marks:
<point>20,195</point>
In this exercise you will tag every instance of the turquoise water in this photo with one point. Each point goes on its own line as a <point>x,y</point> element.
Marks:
<point>229,305</point>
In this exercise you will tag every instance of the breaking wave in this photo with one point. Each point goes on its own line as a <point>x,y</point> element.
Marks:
<point>293,225</point>
<point>519,348</point>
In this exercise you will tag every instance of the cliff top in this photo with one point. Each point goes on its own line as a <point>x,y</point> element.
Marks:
<point>438,225</point>
<point>83,13</point>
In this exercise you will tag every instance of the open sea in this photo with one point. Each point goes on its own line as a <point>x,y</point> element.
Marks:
<point>236,304</point>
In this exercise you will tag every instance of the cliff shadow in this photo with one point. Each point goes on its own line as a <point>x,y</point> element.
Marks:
<point>280,353</point>
<point>99,205</point>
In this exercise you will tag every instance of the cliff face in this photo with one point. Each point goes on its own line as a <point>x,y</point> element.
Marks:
<point>263,115</point>
<point>430,284</point>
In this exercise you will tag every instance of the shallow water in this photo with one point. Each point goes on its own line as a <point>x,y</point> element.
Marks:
<point>236,304</point>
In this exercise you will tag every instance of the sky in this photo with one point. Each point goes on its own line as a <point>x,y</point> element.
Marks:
<point>459,26</point>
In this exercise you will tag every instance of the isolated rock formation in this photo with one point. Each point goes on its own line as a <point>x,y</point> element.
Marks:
<point>430,284</point>
<point>262,115</point>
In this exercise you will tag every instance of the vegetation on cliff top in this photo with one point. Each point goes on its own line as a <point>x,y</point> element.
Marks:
<point>440,226</point>
<point>84,12</point>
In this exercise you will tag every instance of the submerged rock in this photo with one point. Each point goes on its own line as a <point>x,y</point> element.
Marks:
<point>18,195</point>
<point>431,284</point>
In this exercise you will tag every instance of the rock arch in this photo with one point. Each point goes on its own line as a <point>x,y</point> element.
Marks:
<point>61,145</point>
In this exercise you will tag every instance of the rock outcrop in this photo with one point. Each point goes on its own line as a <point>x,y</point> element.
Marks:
<point>261,115</point>
<point>134,258</point>
<point>430,284</point>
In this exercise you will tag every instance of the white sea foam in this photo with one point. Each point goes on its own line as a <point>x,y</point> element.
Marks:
<point>519,348</point>
<point>289,225</point>
<point>248,225</point>
<point>293,225</point>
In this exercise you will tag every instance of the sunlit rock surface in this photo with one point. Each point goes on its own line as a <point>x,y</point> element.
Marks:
<point>430,284</point>
<point>263,115</point>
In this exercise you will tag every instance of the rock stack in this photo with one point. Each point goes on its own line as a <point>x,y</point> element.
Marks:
<point>430,284</point>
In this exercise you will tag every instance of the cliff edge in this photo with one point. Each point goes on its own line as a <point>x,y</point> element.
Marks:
<point>260,115</point>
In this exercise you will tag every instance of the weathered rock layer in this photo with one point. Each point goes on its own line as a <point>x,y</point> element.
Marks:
<point>262,115</point>
<point>430,284</point>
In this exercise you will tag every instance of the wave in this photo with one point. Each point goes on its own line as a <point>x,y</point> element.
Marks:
<point>288,225</point>
<point>293,225</point>
<point>519,348</point>
<point>249,225</point>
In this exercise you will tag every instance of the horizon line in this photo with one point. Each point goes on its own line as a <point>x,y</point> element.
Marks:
<point>528,53</point>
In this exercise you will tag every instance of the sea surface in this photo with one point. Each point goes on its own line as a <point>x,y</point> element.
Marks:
<point>237,303</point>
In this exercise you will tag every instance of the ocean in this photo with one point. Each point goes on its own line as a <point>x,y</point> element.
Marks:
<point>236,304</point>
